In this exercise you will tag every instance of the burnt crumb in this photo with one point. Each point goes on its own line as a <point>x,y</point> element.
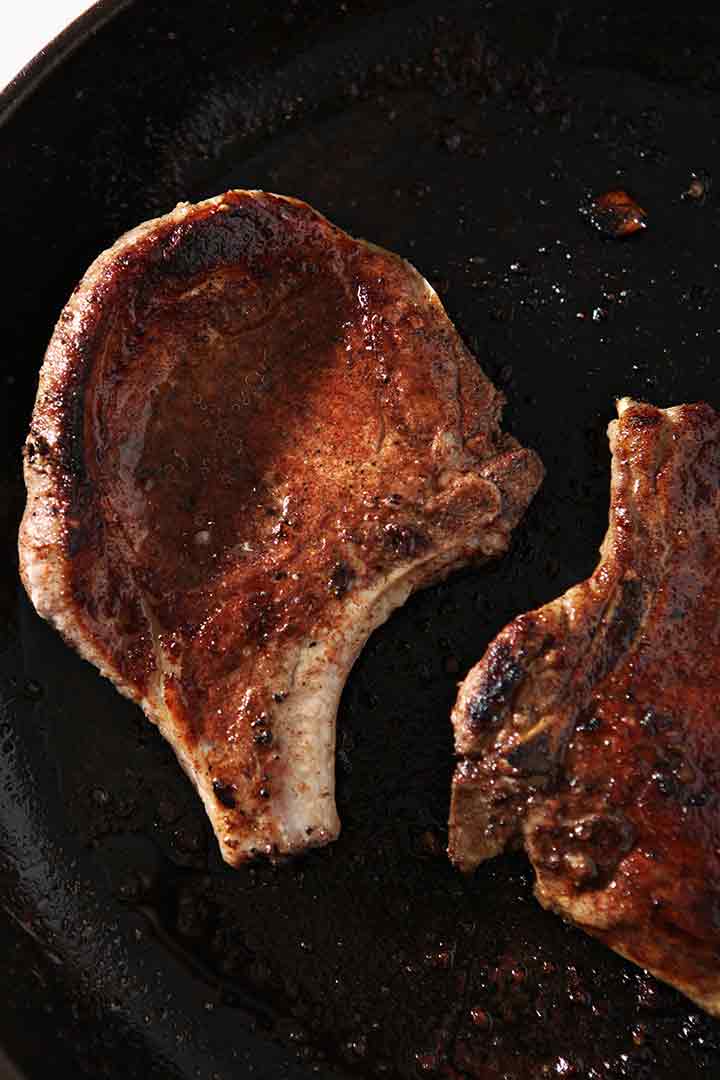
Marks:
<point>614,214</point>
<point>264,793</point>
<point>278,698</point>
<point>263,738</point>
<point>405,541</point>
<point>699,187</point>
<point>341,579</point>
<point>224,793</point>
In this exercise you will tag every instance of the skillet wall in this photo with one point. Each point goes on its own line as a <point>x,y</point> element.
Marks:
<point>471,160</point>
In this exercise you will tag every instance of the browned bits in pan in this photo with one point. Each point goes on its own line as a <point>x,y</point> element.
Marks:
<point>615,214</point>
<point>699,187</point>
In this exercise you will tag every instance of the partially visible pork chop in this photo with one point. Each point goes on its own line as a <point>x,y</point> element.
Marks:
<point>590,730</point>
<point>254,437</point>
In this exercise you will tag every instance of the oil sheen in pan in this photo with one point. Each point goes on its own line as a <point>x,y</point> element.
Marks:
<point>469,153</point>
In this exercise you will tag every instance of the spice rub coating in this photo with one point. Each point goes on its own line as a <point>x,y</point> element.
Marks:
<point>590,730</point>
<point>254,436</point>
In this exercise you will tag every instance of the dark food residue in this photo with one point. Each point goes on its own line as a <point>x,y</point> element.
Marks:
<point>699,187</point>
<point>615,214</point>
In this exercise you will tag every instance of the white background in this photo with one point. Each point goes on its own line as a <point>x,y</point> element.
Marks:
<point>28,25</point>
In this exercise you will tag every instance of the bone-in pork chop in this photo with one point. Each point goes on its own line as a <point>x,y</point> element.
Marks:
<point>590,730</point>
<point>254,436</point>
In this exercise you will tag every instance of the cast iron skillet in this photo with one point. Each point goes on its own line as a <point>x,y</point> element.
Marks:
<point>465,141</point>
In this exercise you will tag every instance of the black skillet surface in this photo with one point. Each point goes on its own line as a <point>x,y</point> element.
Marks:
<point>466,142</point>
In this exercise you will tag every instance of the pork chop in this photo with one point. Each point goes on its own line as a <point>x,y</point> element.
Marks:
<point>590,730</point>
<point>254,437</point>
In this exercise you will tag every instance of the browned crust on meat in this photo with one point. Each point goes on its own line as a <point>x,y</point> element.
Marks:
<point>250,430</point>
<point>590,730</point>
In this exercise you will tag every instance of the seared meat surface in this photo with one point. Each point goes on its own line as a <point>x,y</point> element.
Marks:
<point>590,730</point>
<point>254,436</point>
